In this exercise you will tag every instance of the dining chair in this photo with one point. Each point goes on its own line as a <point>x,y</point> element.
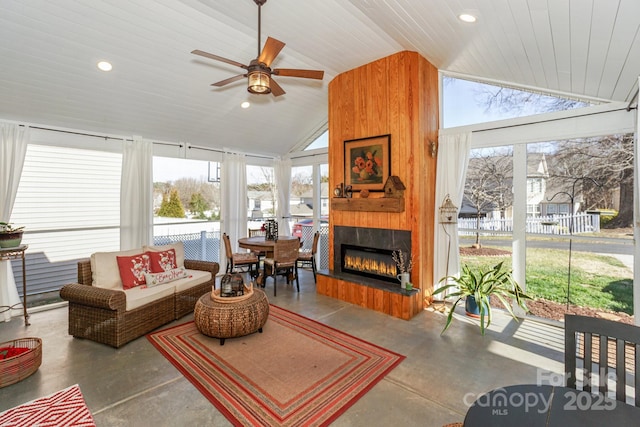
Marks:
<point>307,257</point>
<point>285,256</point>
<point>240,260</point>
<point>604,351</point>
<point>256,232</point>
<point>253,232</point>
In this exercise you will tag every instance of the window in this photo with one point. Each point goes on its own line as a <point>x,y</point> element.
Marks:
<point>535,185</point>
<point>320,142</point>
<point>261,194</point>
<point>533,210</point>
<point>69,202</point>
<point>466,102</point>
<point>186,206</point>
<point>584,183</point>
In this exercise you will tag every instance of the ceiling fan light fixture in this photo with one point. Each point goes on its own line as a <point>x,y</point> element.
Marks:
<point>259,82</point>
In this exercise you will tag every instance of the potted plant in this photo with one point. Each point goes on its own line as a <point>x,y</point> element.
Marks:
<point>10,236</point>
<point>477,287</point>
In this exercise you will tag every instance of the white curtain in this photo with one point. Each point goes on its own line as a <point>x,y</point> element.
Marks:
<point>453,158</point>
<point>636,222</point>
<point>234,197</point>
<point>13,149</point>
<point>282,172</point>
<point>136,194</point>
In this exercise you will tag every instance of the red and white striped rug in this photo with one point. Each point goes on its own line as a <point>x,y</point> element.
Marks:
<point>62,408</point>
<point>298,372</point>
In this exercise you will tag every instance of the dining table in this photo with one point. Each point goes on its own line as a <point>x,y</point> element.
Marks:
<point>260,244</point>
<point>536,405</point>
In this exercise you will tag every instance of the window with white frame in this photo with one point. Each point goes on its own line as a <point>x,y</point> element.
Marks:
<point>69,202</point>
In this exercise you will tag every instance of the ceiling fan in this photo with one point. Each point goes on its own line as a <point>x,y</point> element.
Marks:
<point>258,71</point>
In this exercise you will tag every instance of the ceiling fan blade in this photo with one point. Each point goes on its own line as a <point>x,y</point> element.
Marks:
<point>276,89</point>
<point>270,50</point>
<point>229,80</point>
<point>218,58</point>
<point>306,74</point>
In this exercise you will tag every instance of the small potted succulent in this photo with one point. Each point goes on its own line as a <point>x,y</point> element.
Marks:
<point>477,287</point>
<point>10,236</point>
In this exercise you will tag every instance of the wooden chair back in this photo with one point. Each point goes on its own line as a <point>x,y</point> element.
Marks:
<point>285,252</point>
<point>256,232</point>
<point>227,245</point>
<point>314,246</point>
<point>602,350</point>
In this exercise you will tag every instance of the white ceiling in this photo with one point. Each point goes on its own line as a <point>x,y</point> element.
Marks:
<point>159,90</point>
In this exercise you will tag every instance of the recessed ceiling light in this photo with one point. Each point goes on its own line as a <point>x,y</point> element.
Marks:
<point>105,66</point>
<point>465,17</point>
<point>245,104</point>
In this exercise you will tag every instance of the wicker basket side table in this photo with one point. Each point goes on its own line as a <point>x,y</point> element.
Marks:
<point>230,320</point>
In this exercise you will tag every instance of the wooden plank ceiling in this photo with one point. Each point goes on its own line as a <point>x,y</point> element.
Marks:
<point>48,49</point>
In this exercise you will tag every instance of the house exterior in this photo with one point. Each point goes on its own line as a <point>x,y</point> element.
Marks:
<point>546,195</point>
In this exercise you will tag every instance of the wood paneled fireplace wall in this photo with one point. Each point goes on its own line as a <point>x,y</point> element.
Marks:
<point>396,95</point>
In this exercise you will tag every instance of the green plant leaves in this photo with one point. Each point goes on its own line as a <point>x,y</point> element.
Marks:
<point>482,285</point>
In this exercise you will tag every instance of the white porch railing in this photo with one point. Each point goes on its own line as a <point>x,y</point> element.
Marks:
<point>553,224</point>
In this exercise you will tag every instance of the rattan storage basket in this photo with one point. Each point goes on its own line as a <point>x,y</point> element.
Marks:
<point>19,367</point>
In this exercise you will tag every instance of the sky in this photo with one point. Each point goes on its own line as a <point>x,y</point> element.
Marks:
<point>460,106</point>
<point>167,169</point>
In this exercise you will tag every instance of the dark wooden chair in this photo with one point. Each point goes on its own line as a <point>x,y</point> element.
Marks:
<point>602,350</point>
<point>307,257</point>
<point>285,257</point>
<point>240,260</point>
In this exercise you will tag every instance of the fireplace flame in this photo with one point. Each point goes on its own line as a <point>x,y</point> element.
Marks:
<point>368,265</point>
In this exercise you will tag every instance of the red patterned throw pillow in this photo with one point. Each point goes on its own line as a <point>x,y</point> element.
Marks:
<point>163,261</point>
<point>133,268</point>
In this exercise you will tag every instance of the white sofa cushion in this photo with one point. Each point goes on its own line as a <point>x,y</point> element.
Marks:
<point>104,268</point>
<point>142,295</point>
<point>177,246</point>
<point>194,278</point>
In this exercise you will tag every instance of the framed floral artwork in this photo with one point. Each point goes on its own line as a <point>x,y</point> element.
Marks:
<point>367,162</point>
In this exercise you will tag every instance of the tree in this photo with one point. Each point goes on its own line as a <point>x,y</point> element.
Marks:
<point>520,102</point>
<point>301,183</point>
<point>488,184</point>
<point>265,182</point>
<point>209,191</point>
<point>172,206</point>
<point>198,205</point>
<point>605,164</point>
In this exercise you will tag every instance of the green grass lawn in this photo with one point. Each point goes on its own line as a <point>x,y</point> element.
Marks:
<point>597,281</point>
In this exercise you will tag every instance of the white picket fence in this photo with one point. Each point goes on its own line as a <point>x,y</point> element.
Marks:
<point>555,224</point>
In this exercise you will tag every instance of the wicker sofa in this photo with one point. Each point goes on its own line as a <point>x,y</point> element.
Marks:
<point>100,309</point>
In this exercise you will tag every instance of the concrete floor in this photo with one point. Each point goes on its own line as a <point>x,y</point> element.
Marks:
<point>441,376</point>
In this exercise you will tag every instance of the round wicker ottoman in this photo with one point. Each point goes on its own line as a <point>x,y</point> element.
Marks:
<point>234,319</point>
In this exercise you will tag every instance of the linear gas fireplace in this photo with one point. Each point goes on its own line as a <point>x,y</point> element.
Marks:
<point>369,262</point>
<point>367,252</point>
